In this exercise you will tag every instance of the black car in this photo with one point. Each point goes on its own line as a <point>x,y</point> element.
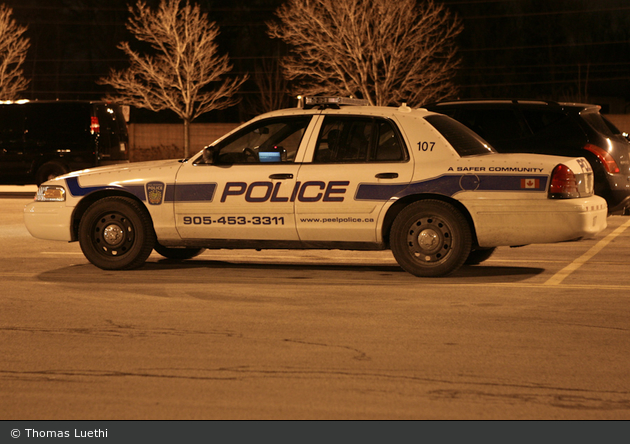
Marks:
<point>43,139</point>
<point>564,129</point>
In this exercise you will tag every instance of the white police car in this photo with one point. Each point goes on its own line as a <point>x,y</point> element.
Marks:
<point>326,176</point>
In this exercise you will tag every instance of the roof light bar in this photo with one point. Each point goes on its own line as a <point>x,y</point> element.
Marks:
<point>330,101</point>
<point>11,102</point>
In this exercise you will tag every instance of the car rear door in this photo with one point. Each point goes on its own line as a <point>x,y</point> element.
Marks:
<point>356,164</point>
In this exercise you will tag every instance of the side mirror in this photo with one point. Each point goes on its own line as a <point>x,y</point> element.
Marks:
<point>209,153</point>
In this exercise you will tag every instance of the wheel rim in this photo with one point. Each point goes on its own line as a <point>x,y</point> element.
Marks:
<point>429,240</point>
<point>113,234</point>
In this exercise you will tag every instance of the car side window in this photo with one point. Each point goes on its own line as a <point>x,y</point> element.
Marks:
<point>389,146</point>
<point>539,120</point>
<point>358,139</point>
<point>269,140</point>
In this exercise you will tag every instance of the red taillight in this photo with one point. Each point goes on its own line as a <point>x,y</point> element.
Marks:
<point>604,157</point>
<point>563,185</point>
<point>95,127</point>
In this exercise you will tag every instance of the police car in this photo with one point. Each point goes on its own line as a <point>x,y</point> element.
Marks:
<point>331,174</point>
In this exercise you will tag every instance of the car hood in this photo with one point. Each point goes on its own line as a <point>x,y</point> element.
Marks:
<point>164,170</point>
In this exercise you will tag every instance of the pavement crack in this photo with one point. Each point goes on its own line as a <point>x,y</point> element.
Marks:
<point>359,355</point>
<point>122,331</point>
<point>565,401</point>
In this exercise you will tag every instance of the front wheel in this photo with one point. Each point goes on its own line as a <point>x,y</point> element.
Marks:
<point>116,233</point>
<point>430,238</point>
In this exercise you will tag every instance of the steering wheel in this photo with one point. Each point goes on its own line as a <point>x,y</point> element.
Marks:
<point>248,152</point>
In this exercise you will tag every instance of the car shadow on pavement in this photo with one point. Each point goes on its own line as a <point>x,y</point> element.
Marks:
<point>172,271</point>
<point>466,271</point>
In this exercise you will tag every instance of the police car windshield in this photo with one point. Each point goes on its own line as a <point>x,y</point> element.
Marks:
<point>465,141</point>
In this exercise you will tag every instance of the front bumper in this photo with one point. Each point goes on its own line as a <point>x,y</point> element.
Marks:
<point>49,220</point>
<point>619,202</point>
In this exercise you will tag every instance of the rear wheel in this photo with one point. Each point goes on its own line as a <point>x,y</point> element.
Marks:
<point>430,238</point>
<point>116,233</point>
<point>178,253</point>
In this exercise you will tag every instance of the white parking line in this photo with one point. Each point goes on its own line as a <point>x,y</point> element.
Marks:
<point>55,253</point>
<point>566,271</point>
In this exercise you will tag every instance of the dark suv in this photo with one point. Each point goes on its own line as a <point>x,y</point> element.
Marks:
<point>564,129</point>
<point>43,139</point>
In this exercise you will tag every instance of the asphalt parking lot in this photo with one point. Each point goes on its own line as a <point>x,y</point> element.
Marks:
<point>537,332</point>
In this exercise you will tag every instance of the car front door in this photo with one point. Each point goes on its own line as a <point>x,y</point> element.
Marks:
<point>243,188</point>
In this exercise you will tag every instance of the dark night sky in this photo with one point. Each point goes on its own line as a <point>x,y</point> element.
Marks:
<point>547,49</point>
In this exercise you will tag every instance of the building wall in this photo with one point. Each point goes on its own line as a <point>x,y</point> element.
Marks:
<point>621,121</point>
<point>150,141</point>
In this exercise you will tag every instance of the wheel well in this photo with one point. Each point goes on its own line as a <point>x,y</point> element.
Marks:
<point>395,209</point>
<point>88,200</point>
<point>54,164</point>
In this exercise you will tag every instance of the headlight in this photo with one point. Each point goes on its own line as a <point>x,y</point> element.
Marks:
<point>50,193</point>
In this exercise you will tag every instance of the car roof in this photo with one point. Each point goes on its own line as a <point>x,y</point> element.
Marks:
<point>512,102</point>
<point>367,110</point>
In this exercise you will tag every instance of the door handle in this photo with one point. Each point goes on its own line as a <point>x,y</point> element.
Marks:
<point>386,175</point>
<point>281,176</point>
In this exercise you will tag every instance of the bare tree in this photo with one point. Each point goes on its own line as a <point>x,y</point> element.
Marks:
<point>185,63</point>
<point>385,51</point>
<point>13,49</point>
<point>273,89</point>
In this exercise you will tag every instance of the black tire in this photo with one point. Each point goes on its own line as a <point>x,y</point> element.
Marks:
<point>430,238</point>
<point>478,256</point>
<point>116,233</point>
<point>177,253</point>
<point>48,171</point>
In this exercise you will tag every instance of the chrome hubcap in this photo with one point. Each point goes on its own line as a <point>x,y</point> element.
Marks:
<point>429,239</point>
<point>113,234</point>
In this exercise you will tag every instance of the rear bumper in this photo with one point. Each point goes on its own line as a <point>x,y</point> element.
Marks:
<point>619,202</point>
<point>615,188</point>
<point>511,223</point>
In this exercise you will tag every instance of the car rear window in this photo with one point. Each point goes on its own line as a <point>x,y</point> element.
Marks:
<point>464,140</point>
<point>595,120</point>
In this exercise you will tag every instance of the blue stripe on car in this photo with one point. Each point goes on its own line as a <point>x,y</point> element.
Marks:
<point>78,191</point>
<point>449,185</point>
<point>189,192</point>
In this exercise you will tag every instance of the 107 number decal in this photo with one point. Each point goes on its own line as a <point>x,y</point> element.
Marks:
<point>426,146</point>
